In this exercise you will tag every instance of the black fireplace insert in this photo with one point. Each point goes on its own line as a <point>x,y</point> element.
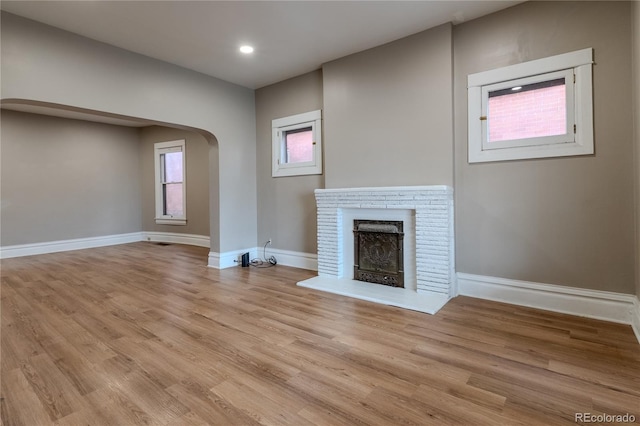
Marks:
<point>378,253</point>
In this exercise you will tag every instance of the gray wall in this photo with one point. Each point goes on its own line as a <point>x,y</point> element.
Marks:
<point>388,114</point>
<point>197,167</point>
<point>64,179</point>
<point>45,64</point>
<point>563,221</point>
<point>286,205</point>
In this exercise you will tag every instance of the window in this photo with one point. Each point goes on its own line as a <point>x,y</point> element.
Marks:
<point>536,109</point>
<point>170,183</point>
<point>297,145</point>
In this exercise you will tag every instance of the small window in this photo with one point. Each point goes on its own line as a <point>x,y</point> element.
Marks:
<point>297,145</point>
<point>536,109</point>
<point>170,183</point>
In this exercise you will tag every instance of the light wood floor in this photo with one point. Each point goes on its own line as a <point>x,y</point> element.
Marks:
<point>147,334</point>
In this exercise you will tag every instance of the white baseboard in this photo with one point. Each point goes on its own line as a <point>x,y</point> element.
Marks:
<point>228,259</point>
<point>294,259</point>
<point>67,245</point>
<point>635,322</point>
<point>103,241</point>
<point>171,237</point>
<point>603,305</point>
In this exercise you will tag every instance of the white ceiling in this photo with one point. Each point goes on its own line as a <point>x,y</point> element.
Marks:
<point>290,37</point>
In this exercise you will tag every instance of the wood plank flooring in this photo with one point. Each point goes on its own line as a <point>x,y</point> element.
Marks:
<point>147,334</point>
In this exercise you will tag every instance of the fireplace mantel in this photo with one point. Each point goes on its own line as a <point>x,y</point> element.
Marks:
<point>431,252</point>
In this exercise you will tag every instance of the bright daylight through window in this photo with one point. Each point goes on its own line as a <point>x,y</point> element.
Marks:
<point>170,183</point>
<point>298,145</point>
<point>531,111</point>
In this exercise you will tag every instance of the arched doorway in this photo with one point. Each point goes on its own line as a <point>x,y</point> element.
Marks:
<point>62,168</point>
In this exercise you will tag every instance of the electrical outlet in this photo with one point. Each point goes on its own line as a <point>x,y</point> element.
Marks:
<point>269,241</point>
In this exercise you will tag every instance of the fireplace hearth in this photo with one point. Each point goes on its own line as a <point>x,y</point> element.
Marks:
<point>426,213</point>
<point>378,252</point>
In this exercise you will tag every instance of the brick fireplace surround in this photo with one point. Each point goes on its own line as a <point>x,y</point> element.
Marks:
<point>428,251</point>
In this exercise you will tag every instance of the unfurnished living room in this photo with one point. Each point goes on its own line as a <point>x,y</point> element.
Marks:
<point>320,212</point>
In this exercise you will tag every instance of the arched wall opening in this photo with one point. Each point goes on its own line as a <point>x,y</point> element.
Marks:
<point>30,126</point>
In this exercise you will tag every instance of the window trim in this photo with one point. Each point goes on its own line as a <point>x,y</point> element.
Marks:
<point>279,126</point>
<point>580,63</point>
<point>158,149</point>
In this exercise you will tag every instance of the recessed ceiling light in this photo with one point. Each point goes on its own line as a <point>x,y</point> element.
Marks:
<point>516,88</point>
<point>246,49</point>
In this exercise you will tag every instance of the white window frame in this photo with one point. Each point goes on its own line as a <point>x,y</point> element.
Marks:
<point>279,127</point>
<point>163,148</point>
<point>579,137</point>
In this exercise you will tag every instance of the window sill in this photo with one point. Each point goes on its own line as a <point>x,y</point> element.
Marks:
<point>296,171</point>
<point>171,221</point>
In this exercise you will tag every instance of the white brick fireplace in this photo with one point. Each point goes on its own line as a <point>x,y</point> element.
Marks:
<point>427,214</point>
